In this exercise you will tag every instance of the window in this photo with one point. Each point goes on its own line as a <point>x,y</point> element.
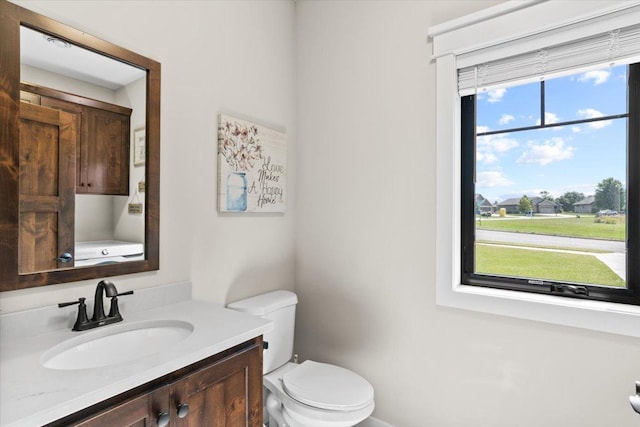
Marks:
<point>545,185</point>
<point>495,37</point>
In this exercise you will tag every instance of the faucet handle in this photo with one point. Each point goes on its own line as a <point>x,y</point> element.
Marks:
<point>82,318</point>
<point>125,293</point>
<point>66,304</point>
<point>114,311</point>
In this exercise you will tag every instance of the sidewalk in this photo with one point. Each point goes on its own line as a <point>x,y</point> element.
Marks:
<point>616,261</point>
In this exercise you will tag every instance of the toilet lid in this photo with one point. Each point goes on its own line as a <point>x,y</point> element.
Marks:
<point>327,387</point>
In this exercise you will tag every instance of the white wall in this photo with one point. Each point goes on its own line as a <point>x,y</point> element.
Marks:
<point>365,245</point>
<point>224,56</point>
<point>53,80</point>
<point>94,217</point>
<point>130,227</point>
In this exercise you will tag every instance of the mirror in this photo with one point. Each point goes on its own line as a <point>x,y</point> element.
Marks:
<point>80,154</point>
<point>58,74</point>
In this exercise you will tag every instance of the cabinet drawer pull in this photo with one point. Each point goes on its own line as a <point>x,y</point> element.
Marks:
<point>163,419</point>
<point>183,410</point>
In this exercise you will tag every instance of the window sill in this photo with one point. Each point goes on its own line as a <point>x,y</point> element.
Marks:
<point>595,315</point>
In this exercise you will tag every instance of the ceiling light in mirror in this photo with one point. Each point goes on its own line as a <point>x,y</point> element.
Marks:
<point>57,42</point>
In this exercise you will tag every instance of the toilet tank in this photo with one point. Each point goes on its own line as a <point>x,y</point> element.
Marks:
<point>280,307</point>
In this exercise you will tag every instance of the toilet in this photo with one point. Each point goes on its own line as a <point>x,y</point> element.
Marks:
<point>307,394</point>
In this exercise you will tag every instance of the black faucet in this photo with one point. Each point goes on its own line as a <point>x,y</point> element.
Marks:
<point>104,286</point>
<point>99,319</point>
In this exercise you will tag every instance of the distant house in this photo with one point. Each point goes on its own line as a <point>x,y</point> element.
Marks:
<point>547,207</point>
<point>484,205</point>
<point>511,205</point>
<point>586,205</point>
<point>538,204</point>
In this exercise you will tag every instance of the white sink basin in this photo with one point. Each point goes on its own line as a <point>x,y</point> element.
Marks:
<point>110,345</point>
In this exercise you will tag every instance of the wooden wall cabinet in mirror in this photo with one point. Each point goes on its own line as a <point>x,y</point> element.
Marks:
<point>102,152</point>
<point>80,135</point>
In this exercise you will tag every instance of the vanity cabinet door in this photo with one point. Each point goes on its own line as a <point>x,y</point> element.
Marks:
<point>227,393</point>
<point>142,411</point>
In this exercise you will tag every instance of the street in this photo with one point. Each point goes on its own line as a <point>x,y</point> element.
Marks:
<point>552,241</point>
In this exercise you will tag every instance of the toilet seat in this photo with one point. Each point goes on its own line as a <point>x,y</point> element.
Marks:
<point>287,410</point>
<point>328,387</point>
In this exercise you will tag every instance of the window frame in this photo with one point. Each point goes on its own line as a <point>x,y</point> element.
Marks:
<point>628,295</point>
<point>510,28</point>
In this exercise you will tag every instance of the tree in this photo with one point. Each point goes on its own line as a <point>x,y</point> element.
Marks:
<point>567,200</point>
<point>524,205</point>
<point>609,194</point>
<point>545,195</point>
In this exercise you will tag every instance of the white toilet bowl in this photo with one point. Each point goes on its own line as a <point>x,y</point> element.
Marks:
<point>309,394</point>
<point>314,394</point>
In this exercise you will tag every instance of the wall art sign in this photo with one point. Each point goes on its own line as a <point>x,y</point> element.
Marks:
<point>252,167</point>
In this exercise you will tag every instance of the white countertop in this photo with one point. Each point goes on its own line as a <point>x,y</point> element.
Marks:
<point>31,394</point>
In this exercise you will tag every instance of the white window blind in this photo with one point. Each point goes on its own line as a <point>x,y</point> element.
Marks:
<point>605,49</point>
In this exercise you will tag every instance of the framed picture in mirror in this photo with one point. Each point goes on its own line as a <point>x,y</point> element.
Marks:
<point>139,147</point>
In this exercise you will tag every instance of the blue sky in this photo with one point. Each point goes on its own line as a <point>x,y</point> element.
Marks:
<point>560,159</point>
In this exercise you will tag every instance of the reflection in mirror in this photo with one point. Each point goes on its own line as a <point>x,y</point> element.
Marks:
<point>105,100</point>
<point>67,109</point>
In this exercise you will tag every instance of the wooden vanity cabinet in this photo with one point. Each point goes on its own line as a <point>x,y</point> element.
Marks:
<point>141,411</point>
<point>102,157</point>
<point>227,394</point>
<point>224,390</point>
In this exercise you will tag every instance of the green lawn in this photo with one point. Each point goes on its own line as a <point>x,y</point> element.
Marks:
<point>554,266</point>
<point>570,227</point>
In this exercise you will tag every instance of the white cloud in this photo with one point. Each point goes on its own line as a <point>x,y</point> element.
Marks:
<point>492,179</point>
<point>590,113</point>
<point>506,119</point>
<point>486,158</point>
<point>490,147</point>
<point>552,150</point>
<point>496,95</point>
<point>596,77</point>
<point>501,144</point>
<point>495,144</point>
<point>549,119</point>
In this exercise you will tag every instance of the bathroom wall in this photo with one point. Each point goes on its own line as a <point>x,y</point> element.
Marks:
<point>235,57</point>
<point>365,245</point>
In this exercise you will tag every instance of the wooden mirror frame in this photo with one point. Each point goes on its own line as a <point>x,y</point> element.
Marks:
<point>11,18</point>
